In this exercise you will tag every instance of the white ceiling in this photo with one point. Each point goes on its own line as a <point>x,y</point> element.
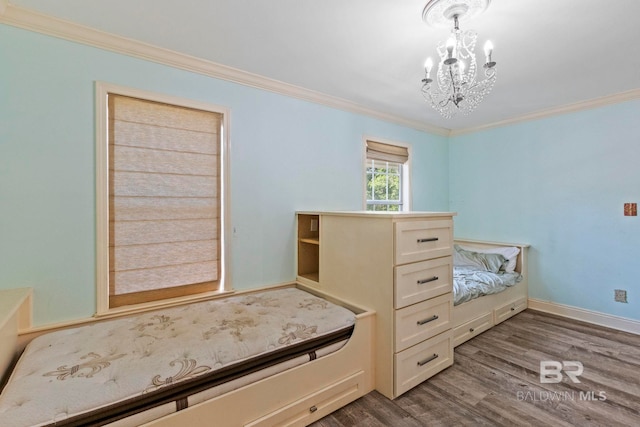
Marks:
<point>550,53</point>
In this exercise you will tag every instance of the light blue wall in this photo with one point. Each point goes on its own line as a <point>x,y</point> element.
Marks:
<point>559,184</point>
<point>286,155</point>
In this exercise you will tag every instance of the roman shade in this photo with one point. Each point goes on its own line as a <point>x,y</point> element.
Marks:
<point>387,152</point>
<point>164,200</point>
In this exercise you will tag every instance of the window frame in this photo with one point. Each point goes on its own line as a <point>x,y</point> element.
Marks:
<point>102,90</point>
<point>405,177</point>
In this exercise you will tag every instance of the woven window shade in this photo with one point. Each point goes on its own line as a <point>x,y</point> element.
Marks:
<point>387,152</point>
<point>164,206</point>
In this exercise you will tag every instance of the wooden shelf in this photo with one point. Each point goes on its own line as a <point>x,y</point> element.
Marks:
<point>308,246</point>
<point>315,276</point>
<point>311,241</point>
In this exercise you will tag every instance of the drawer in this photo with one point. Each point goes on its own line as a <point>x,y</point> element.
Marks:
<point>424,320</point>
<point>422,240</point>
<point>315,406</point>
<point>472,328</point>
<point>504,312</point>
<point>422,280</point>
<point>422,361</point>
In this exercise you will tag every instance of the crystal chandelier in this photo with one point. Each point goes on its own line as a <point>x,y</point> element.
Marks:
<point>454,87</point>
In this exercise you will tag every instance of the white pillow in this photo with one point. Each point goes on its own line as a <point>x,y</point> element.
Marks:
<point>509,252</point>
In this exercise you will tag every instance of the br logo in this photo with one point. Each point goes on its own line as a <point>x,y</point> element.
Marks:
<point>551,371</point>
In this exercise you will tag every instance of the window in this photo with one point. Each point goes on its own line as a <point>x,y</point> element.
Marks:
<point>386,169</point>
<point>384,184</point>
<point>162,214</point>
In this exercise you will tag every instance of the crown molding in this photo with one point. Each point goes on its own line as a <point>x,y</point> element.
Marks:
<point>565,109</point>
<point>34,21</point>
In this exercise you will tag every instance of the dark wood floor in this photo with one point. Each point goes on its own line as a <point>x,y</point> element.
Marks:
<point>495,381</point>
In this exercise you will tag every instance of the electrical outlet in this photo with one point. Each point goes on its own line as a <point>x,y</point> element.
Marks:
<point>620,295</point>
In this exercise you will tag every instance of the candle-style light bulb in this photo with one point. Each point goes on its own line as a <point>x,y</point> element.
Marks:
<point>451,43</point>
<point>428,65</point>
<point>488,50</point>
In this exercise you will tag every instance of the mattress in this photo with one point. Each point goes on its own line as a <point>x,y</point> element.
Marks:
<point>130,370</point>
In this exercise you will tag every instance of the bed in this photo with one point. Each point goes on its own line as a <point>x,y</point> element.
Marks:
<point>284,356</point>
<point>479,310</point>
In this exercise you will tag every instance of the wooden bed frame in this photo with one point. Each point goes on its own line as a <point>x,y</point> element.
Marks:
<point>296,397</point>
<point>476,316</point>
<point>15,315</point>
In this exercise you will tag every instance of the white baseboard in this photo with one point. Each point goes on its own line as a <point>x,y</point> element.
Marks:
<point>595,317</point>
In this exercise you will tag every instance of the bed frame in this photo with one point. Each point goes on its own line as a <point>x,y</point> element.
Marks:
<point>476,316</point>
<point>296,397</point>
<point>15,315</point>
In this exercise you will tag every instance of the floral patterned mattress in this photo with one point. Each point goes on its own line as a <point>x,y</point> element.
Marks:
<point>104,372</point>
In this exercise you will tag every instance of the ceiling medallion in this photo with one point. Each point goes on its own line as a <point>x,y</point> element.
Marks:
<point>456,87</point>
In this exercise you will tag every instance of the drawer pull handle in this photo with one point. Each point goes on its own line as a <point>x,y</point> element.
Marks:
<point>471,329</point>
<point>431,279</point>
<point>427,360</point>
<point>428,239</point>
<point>430,319</point>
<point>313,409</point>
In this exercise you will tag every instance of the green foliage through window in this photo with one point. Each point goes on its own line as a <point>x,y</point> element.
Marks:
<point>384,186</point>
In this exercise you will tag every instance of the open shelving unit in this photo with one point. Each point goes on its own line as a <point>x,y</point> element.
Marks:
<point>309,247</point>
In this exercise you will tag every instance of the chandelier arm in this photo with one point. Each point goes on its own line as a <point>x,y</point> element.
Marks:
<point>428,96</point>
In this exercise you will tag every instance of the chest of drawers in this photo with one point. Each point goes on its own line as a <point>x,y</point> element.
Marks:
<point>400,265</point>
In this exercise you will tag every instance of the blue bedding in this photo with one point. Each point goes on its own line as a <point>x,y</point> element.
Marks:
<point>477,274</point>
<point>470,282</point>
